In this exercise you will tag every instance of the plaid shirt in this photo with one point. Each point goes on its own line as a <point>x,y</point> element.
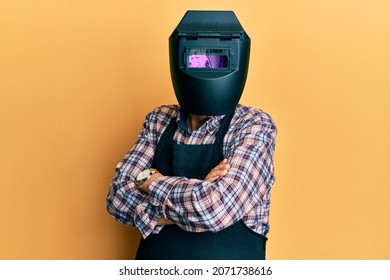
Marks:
<point>197,205</point>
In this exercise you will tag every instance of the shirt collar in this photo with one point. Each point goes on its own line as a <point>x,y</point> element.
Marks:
<point>210,125</point>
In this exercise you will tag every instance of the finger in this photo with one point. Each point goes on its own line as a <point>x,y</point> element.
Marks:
<point>221,166</point>
<point>217,173</point>
<point>211,179</point>
<point>220,170</point>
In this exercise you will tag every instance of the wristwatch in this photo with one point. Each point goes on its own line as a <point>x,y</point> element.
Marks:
<point>144,176</point>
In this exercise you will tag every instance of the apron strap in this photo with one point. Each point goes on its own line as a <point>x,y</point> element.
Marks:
<point>164,149</point>
<point>222,131</point>
<point>224,127</point>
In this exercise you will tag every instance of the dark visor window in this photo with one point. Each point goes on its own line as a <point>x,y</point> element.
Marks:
<point>207,58</point>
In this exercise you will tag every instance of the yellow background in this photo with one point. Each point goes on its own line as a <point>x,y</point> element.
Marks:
<point>77,78</point>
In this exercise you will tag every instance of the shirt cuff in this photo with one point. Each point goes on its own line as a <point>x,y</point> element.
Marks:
<point>146,219</point>
<point>160,190</point>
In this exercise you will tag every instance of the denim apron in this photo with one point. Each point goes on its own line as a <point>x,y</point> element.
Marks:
<point>195,161</point>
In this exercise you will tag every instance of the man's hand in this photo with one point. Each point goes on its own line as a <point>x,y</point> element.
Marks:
<point>164,221</point>
<point>219,171</point>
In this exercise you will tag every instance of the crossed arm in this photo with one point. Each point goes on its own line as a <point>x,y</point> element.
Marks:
<point>219,171</point>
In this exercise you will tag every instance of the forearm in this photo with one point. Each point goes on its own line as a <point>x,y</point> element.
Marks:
<point>197,205</point>
<point>129,206</point>
<point>125,202</point>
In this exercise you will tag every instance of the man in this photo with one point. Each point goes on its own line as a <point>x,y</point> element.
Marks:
<point>197,182</point>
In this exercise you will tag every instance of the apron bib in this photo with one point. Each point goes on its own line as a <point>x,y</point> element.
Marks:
<point>195,161</point>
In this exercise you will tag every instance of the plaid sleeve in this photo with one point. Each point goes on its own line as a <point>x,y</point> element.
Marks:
<point>197,205</point>
<point>125,202</point>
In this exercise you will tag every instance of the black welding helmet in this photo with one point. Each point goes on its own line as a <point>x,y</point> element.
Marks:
<point>209,58</point>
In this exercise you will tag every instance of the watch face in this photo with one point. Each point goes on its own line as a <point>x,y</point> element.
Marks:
<point>143,174</point>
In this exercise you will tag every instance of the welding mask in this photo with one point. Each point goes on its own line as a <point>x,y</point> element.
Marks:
<point>209,59</point>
